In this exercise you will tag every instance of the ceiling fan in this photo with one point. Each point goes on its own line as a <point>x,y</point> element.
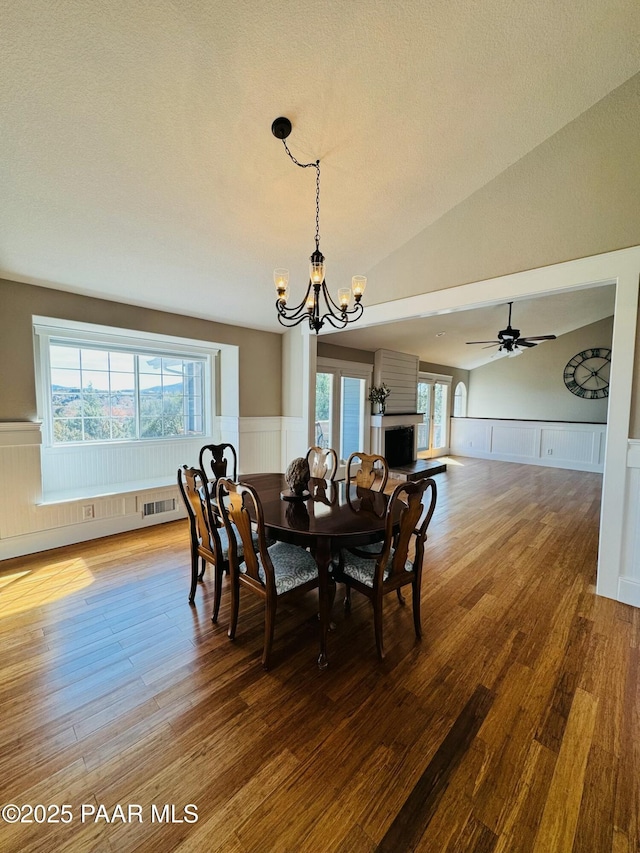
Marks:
<point>509,340</point>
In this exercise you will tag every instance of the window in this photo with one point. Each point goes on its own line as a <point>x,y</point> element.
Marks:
<point>96,386</point>
<point>460,401</point>
<point>112,394</point>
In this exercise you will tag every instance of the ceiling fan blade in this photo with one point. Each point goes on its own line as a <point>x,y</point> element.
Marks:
<point>491,346</point>
<point>511,340</point>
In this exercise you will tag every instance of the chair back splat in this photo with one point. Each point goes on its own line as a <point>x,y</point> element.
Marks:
<point>323,463</point>
<point>372,472</point>
<point>235,512</point>
<point>215,460</point>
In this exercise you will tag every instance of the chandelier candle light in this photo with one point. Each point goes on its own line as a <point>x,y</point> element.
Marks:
<point>338,315</point>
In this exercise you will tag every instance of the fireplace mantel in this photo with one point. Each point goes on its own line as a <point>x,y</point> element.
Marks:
<point>383,421</point>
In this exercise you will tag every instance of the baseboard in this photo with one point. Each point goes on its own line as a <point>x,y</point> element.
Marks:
<point>57,537</point>
<point>629,591</point>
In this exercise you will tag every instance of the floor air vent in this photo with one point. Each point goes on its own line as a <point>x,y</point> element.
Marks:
<point>157,507</point>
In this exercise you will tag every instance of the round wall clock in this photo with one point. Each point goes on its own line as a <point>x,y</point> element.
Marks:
<point>587,373</point>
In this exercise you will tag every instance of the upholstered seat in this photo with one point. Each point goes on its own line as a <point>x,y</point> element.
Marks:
<point>224,543</point>
<point>363,569</point>
<point>292,566</point>
<point>269,571</point>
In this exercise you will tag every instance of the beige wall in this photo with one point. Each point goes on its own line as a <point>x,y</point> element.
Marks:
<point>361,356</point>
<point>531,386</point>
<point>575,195</point>
<point>260,389</point>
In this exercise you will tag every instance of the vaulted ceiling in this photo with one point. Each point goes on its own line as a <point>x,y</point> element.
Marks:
<point>138,162</point>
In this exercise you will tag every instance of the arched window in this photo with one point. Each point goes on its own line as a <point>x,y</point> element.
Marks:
<point>460,401</point>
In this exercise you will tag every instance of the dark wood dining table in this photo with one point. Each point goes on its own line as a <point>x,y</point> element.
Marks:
<point>334,516</point>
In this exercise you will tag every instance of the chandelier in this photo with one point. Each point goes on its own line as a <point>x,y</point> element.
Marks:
<point>337,314</point>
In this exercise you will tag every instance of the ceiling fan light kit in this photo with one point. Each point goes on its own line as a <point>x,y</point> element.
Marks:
<point>510,342</point>
<point>337,314</point>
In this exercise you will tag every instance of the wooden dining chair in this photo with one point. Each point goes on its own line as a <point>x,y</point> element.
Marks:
<point>269,571</point>
<point>216,459</point>
<point>323,462</point>
<point>385,567</point>
<point>369,470</point>
<point>209,543</point>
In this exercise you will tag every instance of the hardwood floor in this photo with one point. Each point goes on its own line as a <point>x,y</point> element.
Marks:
<point>514,725</point>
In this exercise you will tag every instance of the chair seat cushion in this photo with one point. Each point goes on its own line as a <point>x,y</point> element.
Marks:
<point>293,566</point>
<point>224,542</point>
<point>363,569</point>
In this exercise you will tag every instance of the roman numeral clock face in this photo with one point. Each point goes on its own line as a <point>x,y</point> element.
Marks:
<point>587,373</point>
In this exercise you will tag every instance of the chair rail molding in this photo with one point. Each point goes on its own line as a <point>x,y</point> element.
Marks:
<point>20,433</point>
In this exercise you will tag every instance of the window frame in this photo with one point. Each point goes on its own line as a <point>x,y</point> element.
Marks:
<point>338,370</point>
<point>49,331</point>
<point>461,387</point>
<point>434,379</point>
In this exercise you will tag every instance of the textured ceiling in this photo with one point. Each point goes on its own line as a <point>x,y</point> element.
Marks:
<point>138,163</point>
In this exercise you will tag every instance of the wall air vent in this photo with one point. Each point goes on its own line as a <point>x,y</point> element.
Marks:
<point>157,507</point>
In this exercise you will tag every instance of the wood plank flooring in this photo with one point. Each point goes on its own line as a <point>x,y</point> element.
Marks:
<point>514,726</point>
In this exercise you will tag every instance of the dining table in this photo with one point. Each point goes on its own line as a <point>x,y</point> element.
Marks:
<point>330,516</point>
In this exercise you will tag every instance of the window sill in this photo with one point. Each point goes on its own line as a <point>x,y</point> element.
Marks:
<point>106,491</point>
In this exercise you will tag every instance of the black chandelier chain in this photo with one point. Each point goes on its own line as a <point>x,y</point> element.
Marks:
<point>316,166</point>
<point>337,314</point>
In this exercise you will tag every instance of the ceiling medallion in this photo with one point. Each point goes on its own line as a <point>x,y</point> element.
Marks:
<point>337,314</point>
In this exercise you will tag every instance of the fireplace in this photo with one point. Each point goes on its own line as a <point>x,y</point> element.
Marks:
<point>398,445</point>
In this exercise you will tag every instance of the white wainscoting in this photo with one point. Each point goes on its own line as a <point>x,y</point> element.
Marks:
<point>81,470</point>
<point>260,445</point>
<point>295,441</point>
<point>577,446</point>
<point>629,581</point>
<point>29,523</point>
